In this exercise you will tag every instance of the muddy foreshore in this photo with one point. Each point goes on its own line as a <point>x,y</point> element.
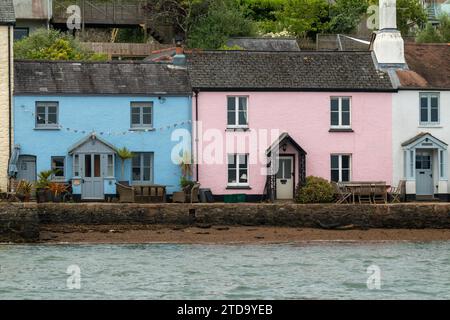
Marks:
<point>208,234</point>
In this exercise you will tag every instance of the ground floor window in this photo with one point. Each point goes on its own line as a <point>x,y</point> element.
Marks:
<point>142,167</point>
<point>238,170</point>
<point>340,167</point>
<point>58,166</point>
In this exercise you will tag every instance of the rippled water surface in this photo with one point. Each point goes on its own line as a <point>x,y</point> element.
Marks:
<point>163,271</point>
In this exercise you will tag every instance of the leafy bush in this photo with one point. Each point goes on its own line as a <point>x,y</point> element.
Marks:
<point>316,190</point>
<point>439,34</point>
<point>51,44</point>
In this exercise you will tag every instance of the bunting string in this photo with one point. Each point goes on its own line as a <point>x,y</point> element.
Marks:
<point>116,133</point>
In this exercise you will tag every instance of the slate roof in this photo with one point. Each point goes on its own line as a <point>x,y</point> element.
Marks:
<point>285,71</point>
<point>265,44</point>
<point>429,66</point>
<point>7,15</point>
<point>140,78</point>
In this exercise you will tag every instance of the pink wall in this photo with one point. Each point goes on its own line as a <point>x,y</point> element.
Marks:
<point>306,117</point>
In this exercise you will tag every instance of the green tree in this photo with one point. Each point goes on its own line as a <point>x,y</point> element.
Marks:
<point>345,15</point>
<point>304,17</point>
<point>410,14</point>
<point>439,34</point>
<point>51,44</point>
<point>224,19</point>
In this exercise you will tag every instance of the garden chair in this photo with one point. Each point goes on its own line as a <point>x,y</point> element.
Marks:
<point>341,193</point>
<point>126,193</point>
<point>186,196</point>
<point>379,193</point>
<point>397,194</point>
<point>364,194</point>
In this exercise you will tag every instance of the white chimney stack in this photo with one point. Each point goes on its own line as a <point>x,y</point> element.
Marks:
<point>388,14</point>
<point>388,45</point>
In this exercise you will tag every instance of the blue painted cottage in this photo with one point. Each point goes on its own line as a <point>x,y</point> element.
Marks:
<point>75,116</point>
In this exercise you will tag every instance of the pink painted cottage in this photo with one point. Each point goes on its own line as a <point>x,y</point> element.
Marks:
<point>266,120</point>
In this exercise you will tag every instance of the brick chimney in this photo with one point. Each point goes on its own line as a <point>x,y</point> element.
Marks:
<point>388,45</point>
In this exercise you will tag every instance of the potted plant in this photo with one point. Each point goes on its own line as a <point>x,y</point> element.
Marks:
<point>43,193</point>
<point>24,189</point>
<point>124,154</point>
<point>57,190</point>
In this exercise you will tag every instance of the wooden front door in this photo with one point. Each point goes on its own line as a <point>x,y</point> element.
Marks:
<point>285,178</point>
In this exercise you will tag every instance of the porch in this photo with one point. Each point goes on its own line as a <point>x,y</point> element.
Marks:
<point>425,167</point>
<point>286,168</point>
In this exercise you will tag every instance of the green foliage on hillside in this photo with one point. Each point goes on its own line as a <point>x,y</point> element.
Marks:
<point>439,34</point>
<point>51,44</point>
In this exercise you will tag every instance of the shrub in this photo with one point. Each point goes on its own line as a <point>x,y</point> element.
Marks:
<point>51,44</point>
<point>316,190</point>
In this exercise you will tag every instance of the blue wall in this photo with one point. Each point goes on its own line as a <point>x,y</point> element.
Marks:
<point>103,114</point>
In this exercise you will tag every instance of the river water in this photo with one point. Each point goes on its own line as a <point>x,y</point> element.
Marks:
<point>313,270</point>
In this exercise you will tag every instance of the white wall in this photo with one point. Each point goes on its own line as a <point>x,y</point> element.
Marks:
<point>4,106</point>
<point>405,120</point>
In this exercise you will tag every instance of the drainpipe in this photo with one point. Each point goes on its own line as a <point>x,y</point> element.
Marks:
<point>10,90</point>
<point>196,92</point>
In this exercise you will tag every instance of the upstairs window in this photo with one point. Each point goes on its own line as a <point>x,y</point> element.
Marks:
<point>237,112</point>
<point>429,108</point>
<point>47,115</point>
<point>340,112</point>
<point>141,115</point>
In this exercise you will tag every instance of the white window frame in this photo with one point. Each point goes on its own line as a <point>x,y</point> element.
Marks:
<point>76,166</point>
<point>340,125</point>
<point>236,113</point>
<point>46,105</point>
<point>141,166</point>
<point>141,105</point>
<point>113,166</point>
<point>59,178</point>
<point>238,184</point>
<point>429,95</point>
<point>340,155</point>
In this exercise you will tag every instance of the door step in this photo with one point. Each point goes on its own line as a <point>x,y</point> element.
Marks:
<point>427,199</point>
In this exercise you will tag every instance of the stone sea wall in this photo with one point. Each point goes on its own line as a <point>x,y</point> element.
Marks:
<point>20,222</point>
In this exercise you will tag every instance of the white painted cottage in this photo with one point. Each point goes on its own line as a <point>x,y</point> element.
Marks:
<point>421,108</point>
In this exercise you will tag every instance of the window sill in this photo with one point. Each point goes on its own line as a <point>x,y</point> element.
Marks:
<point>47,129</point>
<point>423,125</point>
<point>237,129</point>
<point>238,188</point>
<point>143,129</point>
<point>340,130</point>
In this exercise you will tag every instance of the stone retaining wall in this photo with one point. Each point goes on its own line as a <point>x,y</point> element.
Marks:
<point>20,222</point>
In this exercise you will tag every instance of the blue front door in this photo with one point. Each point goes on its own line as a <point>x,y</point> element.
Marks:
<point>92,178</point>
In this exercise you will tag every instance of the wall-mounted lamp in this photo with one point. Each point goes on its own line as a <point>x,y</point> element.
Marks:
<point>284,147</point>
<point>162,100</point>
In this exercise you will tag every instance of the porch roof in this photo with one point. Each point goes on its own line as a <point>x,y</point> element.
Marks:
<point>423,136</point>
<point>90,137</point>
<point>285,137</point>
